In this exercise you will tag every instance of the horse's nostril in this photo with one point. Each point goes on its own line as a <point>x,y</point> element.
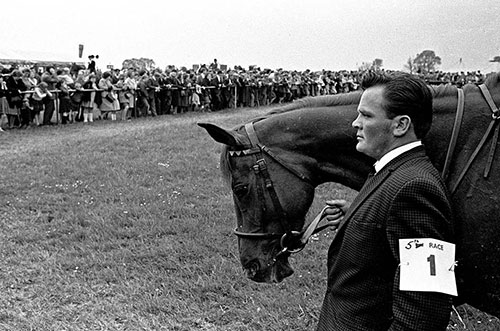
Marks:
<point>252,269</point>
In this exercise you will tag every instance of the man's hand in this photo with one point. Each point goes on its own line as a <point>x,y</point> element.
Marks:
<point>335,212</point>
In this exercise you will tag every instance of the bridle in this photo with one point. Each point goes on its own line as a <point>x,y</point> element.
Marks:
<point>495,116</point>
<point>291,241</point>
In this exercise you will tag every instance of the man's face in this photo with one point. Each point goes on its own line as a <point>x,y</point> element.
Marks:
<point>374,129</point>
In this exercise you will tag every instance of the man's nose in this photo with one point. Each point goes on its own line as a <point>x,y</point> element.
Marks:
<point>355,123</point>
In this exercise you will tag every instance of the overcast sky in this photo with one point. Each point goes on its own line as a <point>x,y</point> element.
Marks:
<point>289,34</point>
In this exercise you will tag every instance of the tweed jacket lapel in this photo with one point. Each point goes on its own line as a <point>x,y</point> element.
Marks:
<point>376,180</point>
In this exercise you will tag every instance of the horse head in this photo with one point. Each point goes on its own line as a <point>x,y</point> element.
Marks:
<point>264,186</point>
<point>273,165</point>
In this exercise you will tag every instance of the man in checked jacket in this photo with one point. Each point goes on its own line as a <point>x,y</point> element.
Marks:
<point>405,198</point>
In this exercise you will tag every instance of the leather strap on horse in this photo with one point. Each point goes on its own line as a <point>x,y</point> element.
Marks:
<point>284,164</point>
<point>489,162</point>
<point>495,116</point>
<point>254,141</point>
<point>489,100</point>
<point>291,241</point>
<point>454,134</point>
<point>260,168</point>
<point>494,122</point>
<point>298,240</point>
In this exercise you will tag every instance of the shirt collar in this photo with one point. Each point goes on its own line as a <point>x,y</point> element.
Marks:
<point>391,155</point>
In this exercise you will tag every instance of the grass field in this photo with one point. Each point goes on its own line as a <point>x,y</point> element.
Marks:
<point>128,226</point>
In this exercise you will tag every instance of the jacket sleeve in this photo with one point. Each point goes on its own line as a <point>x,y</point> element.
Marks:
<point>420,209</point>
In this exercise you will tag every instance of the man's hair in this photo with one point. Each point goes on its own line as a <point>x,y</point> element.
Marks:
<point>404,94</point>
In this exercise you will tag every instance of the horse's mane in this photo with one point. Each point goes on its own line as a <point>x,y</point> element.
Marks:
<point>313,102</point>
<point>447,89</point>
<point>342,99</point>
<point>443,90</point>
<point>319,101</point>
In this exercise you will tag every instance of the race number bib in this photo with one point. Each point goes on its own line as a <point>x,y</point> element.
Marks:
<point>427,265</point>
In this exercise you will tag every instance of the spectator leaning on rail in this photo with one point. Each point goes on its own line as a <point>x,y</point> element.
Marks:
<point>40,92</point>
<point>64,101</point>
<point>64,74</point>
<point>142,94</point>
<point>4,106</point>
<point>49,77</point>
<point>153,87</point>
<point>175,85</point>
<point>183,91</point>
<point>110,103</point>
<point>30,82</point>
<point>89,98</point>
<point>15,86</point>
<point>131,86</point>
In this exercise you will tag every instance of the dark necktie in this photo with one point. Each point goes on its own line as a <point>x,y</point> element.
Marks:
<point>372,172</point>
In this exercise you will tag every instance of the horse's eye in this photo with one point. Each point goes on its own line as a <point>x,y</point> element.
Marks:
<point>240,190</point>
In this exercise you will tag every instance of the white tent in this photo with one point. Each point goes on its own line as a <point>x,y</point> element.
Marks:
<point>492,67</point>
<point>39,58</point>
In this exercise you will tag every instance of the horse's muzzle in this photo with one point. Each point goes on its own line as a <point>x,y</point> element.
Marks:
<point>269,273</point>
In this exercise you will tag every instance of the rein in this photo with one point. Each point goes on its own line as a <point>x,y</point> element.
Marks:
<point>455,132</point>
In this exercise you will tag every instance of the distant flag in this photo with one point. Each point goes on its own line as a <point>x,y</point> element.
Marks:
<point>460,61</point>
<point>80,51</point>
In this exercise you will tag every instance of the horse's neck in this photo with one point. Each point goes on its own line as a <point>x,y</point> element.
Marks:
<point>321,141</point>
<point>319,137</point>
<point>438,138</point>
<point>475,120</point>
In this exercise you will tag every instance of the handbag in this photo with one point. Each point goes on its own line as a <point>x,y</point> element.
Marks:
<point>110,97</point>
<point>15,98</point>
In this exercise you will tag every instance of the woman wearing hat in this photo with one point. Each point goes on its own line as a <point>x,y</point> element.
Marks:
<point>110,103</point>
<point>40,93</point>
<point>3,101</point>
<point>15,86</point>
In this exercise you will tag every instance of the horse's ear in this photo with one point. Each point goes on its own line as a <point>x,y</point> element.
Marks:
<point>221,135</point>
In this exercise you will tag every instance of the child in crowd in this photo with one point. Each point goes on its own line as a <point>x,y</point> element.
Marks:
<point>123,96</point>
<point>88,98</point>
<point>41,91</point>
<point>130,85</point>
<point>3,101</point>
<point>195,101</point>
<point>64,101</point>
<point>76,102</point>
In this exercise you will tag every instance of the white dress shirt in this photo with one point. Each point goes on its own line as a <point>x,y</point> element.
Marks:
<point>394,153</point>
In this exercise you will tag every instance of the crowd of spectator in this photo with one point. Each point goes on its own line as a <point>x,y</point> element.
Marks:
<point>29,97</point>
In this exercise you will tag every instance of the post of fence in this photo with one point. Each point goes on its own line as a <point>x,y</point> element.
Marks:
<point>235,96</point>
<point>135,103</point>
<point>56,105</point>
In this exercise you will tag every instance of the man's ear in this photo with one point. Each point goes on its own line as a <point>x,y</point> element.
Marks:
<point>402,124</point>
